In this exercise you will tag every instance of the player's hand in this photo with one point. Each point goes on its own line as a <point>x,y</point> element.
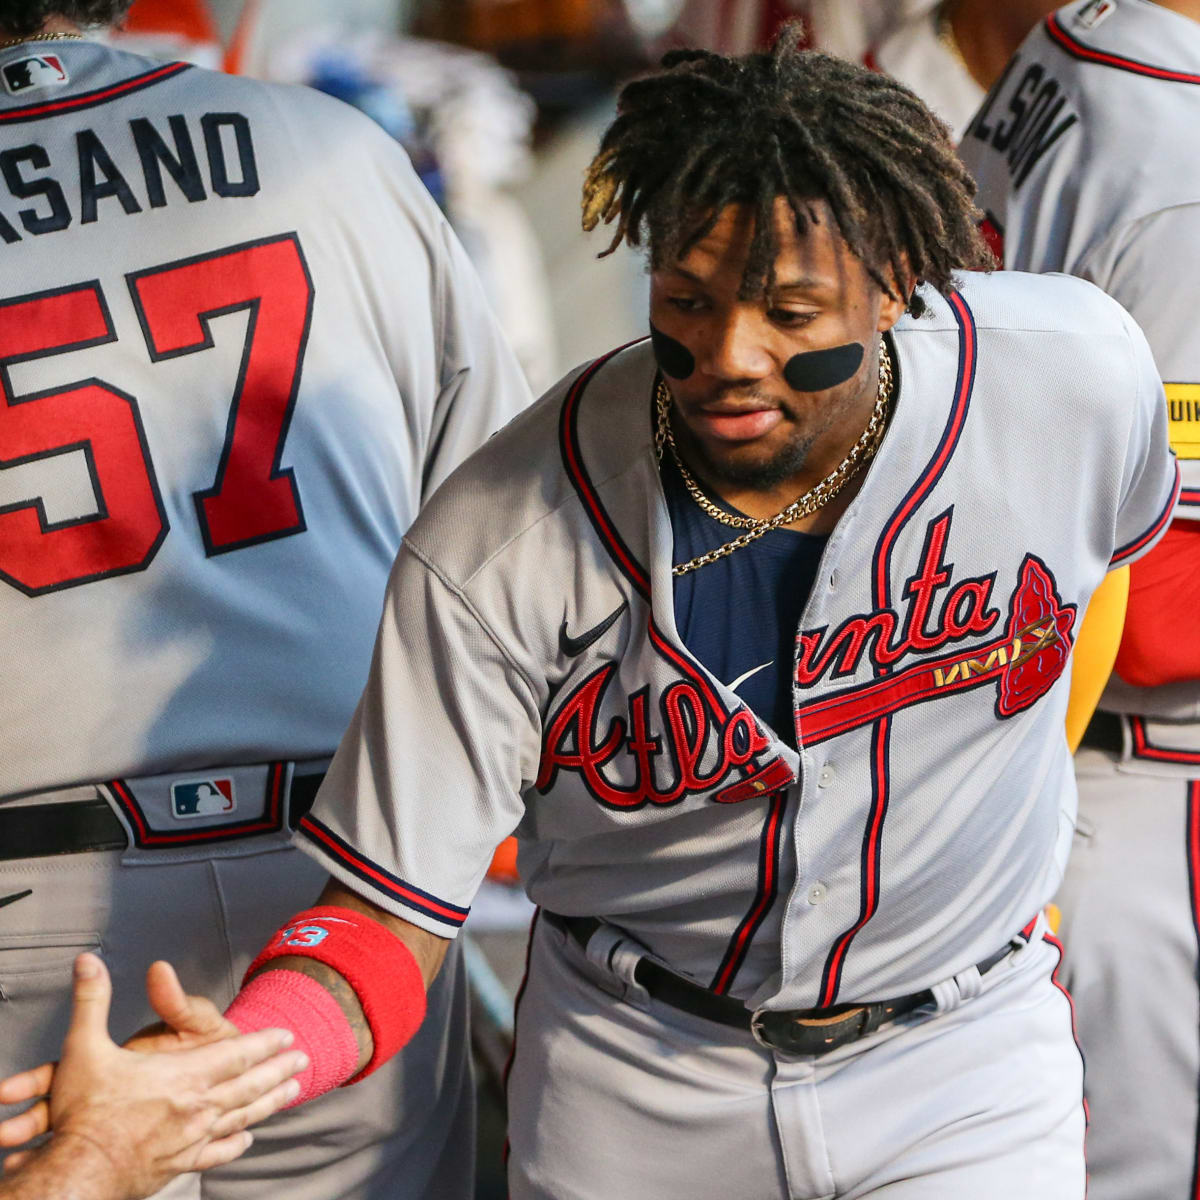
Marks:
<point>185,1021</point>
<point>146,1117</point>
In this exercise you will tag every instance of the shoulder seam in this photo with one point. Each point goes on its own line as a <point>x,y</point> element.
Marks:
<point>458,593</point>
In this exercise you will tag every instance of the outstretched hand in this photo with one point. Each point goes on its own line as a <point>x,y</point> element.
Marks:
<point>181,1101</point>
<point>184,1021</point>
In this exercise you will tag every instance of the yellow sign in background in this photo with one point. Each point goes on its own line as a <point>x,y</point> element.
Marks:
<point>1183,413</point>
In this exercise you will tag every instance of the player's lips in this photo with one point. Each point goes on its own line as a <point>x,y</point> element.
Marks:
<point>728,424</point>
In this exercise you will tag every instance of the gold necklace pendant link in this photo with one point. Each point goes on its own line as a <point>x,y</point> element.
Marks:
<point>815,498</point>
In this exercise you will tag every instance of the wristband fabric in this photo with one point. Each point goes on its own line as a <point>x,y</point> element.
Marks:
<point>285,999</point>
<point>376,964</point>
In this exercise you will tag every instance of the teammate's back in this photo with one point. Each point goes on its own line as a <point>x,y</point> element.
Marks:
<point>202,520</point>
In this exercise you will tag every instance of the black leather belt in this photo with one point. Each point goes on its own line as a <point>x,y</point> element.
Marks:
<point>79,826</point>
<point>811,1031</point>
<point>1105,731</point>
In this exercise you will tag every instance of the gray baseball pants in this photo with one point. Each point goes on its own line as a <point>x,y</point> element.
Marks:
<point>615,1094</point>
<point>1129,913</point>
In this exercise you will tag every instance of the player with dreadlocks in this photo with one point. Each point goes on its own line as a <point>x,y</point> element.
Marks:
<point>756,634</point>
<point>710,131</point>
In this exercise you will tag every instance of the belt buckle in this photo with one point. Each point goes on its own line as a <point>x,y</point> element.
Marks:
<point>812,1036</point>
<point>757,1031</point>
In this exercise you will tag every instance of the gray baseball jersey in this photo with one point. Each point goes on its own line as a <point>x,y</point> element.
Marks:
<point>528,674</point>
<point>211,288</point>
<point>1080,154</point>
<point>1077,152</point>
<point>238,347</point>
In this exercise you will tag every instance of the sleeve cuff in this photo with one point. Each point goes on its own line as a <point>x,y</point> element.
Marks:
<point>1124,555</point>
<point>379,885</point>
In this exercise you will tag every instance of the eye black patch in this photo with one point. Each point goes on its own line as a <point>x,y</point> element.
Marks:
<point>820,370</point>
<point>673,357</point>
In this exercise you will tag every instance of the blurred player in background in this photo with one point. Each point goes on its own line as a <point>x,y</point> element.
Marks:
<point>238,347</point>
<point>951,53</point>
<point>1081,152</point>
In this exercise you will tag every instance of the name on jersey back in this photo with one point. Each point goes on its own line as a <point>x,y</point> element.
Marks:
<point>139,166</point>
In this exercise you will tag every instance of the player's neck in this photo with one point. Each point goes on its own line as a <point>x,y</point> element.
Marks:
<point>1185,8</point>
<point>51,25</point>
<point>987,35</point>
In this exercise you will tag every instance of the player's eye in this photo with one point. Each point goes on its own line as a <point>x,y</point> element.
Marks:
<point>686,304</point>
<point>790,316</point>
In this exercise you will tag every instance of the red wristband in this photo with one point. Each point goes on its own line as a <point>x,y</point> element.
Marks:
<point>290,1000</point>
<point>374,962</point>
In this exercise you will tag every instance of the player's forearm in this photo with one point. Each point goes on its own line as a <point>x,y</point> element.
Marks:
<point>66,1168</point>
<point>427,949</point>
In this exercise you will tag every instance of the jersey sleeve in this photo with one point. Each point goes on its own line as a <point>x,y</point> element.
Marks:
<point>482,384</point>
<point>1150,476</point>
<point>429,776</point>
<point>1152,267</point>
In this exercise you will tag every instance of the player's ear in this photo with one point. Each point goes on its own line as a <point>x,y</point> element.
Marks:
<point>891,310</point>
<point>895,303</point>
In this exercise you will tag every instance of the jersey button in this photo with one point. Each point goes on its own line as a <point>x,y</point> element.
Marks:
<point>817,893</point>
<point>825,778</point>
<point>833,581</point>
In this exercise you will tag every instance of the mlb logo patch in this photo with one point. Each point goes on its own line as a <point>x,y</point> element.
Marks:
<point>1092,14</point>
<point>37,71</point>
<point>192,798</point>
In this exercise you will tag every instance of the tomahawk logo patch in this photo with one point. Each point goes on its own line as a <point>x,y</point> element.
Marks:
<point>37,71</point>
<point>192,798</point>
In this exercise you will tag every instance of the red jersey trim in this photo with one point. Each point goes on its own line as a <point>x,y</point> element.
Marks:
<point>381,879</point>
<point>768,888</point>
<point>872,849</point>
<point>144,837</point>
<point>1144,749</point>
<point>38,112</point>
<point>1077,49</point>
<point>1123,553</point>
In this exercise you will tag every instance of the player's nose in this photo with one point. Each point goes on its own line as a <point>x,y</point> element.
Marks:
<point>734,348</point>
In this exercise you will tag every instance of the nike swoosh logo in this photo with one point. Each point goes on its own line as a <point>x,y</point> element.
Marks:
<point>15,897</point>
<point>737,683</point>
<point>572,647</point>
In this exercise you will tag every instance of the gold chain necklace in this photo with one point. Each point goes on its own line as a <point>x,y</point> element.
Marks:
<point>815,498</point>
<point>42,37</point>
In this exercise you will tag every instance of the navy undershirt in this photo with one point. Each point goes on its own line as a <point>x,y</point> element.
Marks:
<point>744,610</point>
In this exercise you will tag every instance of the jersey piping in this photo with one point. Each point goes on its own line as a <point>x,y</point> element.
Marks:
<point>379,878</point>
<point>1077,49</point>
<point>770,848</point>
<point>1192,837</point>
<point>1144,749</point>
<point>881,738</point>
<point>39,112</point>
<point>573,462</point>
<point>1131,548</point>
<point>144,836</point>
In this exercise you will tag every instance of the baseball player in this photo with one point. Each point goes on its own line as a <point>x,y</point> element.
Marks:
<point>954,51</point>
<point>239,345</point>
<point>757,634</point>
<point>1078,155</point>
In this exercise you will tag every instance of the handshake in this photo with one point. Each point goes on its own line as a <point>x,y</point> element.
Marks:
<point>123,1121</point>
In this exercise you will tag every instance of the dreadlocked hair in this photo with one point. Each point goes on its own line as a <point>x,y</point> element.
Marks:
<point>708,131</point>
